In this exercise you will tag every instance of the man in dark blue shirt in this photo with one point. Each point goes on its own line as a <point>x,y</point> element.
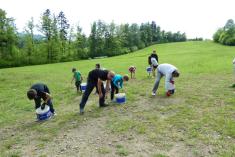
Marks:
<point>94,79</point>
<point>40,92</point>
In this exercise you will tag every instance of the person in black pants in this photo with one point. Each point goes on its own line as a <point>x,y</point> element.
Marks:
<point>116,83</point>
<point>94,79</point>
<point>150,58</point>
<point>40,92</point>
<point>97,66</point>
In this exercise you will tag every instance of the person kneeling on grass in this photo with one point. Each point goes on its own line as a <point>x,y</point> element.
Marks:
<point>169,71</point>
<point>78,79</point>
<point>94,79</point>
<point>40,92</point>
<point>117,83</point>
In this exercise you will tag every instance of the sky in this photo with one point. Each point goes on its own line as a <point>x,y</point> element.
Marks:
<point>197,18</point>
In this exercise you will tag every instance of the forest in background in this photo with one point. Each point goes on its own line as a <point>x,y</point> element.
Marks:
<point>58,41</point>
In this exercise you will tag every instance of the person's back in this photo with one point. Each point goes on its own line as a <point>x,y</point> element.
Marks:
<point>166,68</point>
<point>77,76</point>
<point>41,90</point>
<point>117,79</point>
<point>95,74</point>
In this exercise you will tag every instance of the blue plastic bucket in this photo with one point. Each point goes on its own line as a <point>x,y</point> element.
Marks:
<point>43,114</point>
<point>83,87</point>
<point>149,69</point>
<point>120,98</point>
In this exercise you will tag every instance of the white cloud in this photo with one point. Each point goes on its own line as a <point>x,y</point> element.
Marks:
<point>198,18</point>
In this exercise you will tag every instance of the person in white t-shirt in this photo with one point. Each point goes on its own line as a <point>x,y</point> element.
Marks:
<point>169,71</point>
<point>234,72</point>
<point>234,64</point>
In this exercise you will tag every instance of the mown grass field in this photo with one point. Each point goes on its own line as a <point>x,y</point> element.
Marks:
<point>199,120</point>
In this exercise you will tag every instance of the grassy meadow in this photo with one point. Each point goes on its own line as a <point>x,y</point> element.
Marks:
<point>199,120</point>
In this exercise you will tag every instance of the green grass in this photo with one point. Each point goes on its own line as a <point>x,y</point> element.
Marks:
<point>121,150</point>
<point>199,115</point>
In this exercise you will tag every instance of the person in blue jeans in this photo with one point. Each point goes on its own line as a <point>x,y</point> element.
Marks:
<point>40,92</point>
<point>116,83</point>
<point>169,71</point>
<point>95,79</point>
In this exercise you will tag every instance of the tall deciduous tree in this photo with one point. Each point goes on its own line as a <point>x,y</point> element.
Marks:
<point>29,39</point>
<point>63,27</point>
<point>46,29</point>
<point>8,36</point>
<point>226,35</point>
<point>81,44</point>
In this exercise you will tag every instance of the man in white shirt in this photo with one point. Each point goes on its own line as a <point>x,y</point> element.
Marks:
<point>169,71</point>
<point>234,71</point>
<point>234,63</point>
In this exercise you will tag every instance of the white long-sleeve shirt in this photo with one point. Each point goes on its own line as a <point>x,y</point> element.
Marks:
<point>154,61</point>
<point>166,70</point>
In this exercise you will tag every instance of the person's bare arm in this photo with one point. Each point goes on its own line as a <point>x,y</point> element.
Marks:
<point>72,79</point>
<point>99,87</point>
<point>48,97</point>
<point>107,89</point>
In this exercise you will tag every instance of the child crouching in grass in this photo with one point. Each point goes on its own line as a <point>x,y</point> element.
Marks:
<point>116,83</point>
<point>78,79</point>
<point>132,71</point>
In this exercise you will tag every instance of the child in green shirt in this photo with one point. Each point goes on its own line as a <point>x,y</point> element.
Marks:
<point>78,79</point>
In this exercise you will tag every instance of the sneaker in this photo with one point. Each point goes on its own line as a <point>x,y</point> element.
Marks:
<point>104,105</point>
<point>81,112</point>
<point>54,114</point>
<point>153,93</point>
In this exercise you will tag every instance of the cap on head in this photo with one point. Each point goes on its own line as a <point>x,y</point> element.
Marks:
<point>31,94</point>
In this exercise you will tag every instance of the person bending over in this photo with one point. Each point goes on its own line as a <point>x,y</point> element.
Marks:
<point>169,71</point>
<point>117,83</point>
<point>94,79</point>
<point>40,92</point>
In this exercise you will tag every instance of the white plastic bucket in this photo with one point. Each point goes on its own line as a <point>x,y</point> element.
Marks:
<point>43,114</point>
<point>83,87</point>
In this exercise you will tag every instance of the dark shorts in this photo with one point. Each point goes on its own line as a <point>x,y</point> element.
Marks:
<point>77,84</point>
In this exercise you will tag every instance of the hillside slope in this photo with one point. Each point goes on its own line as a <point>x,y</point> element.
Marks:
<point>197,121</point>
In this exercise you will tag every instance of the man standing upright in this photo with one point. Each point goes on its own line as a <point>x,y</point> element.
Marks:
<point>153,61</point>
<point>94,79</point>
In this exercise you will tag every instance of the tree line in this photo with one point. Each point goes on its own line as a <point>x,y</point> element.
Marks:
<point>226,34</point>
<point>59,41</point>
